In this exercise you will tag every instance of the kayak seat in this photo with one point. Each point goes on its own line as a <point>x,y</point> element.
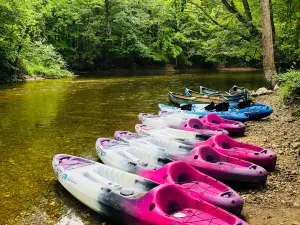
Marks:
<point>143,156</point>
<point>226,145</point>
<point>224,141</point>
<point>182,172</point>
<point>96,178</point>
<point>135,158</point>
<point>170,200</point>
<point>113,175</point>
<point>213,118</point>
<point>195,123</point>
<point>209,155</point>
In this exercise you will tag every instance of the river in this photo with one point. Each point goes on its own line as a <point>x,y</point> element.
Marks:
<point>39,119</point>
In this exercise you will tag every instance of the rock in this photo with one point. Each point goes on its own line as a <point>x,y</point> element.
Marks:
<point>276,87</point>
<point>296,204</point>
<point>294,172</point>
<point>286,143</point>
<point>295,223</point>
<point>262,91</point>
<point>70,219</point>
<point>296,145</point>
<point>280,152</point>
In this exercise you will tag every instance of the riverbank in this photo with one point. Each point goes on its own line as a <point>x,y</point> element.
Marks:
<point>159,70</point>
<point>279,201</point>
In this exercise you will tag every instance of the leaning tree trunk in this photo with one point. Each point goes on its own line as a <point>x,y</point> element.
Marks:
<point>267,42</point>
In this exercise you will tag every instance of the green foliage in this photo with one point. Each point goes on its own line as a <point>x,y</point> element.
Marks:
<point>41,36</point>
<point>289,86</point>
<point>22,23</point>
<point>42,59</point>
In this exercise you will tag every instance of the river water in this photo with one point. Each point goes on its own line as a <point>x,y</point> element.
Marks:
<point>39,119</point>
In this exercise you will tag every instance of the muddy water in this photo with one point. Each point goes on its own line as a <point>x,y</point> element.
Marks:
<point>42,118</point>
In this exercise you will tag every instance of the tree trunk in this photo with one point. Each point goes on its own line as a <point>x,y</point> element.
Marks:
<point>273,24</point>
<point>267,42</point>
<point>107,17</point>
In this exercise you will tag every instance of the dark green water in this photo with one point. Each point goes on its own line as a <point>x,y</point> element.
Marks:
<point>42,118</point>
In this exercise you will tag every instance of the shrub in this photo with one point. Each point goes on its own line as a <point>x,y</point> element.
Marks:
<point>289,86</point>
<point>42,59</point>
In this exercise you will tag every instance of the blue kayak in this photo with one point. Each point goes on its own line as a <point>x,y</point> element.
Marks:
<point>254,112</point>
<point>226,115</point>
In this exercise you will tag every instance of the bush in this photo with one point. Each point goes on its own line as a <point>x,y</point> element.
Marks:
<point>289,86</point>
<point>42,59</point>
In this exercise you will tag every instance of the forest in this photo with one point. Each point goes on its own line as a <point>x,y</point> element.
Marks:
<point>53,37</point>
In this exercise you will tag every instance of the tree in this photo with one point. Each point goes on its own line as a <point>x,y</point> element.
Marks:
<point>267,41</point>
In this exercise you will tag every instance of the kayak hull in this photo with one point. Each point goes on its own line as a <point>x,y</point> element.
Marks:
<point>255,112</point>
<point>222,167</point>
<point>137,201</point>
<point>217,122</point>
<point>178,99</point>
<point>251,153</point>
<point>193,125</point>
<point>228,98</point>
<point>166,109</point>
<point>241,93</point>
<point>186,177</point>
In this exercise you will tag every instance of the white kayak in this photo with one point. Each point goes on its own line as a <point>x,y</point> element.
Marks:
<point>175,134</point>
<point>161,143</point>
<point>132,199</point>
<point>167,121</point>
<point>152,165</point>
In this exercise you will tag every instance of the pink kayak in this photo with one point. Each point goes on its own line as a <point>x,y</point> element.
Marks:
<point>134,199</point>
<point>210,122</point>
<point>222,167</point>
<point>216,122</point>
<point>194,125</point>
<point>245,151</point>
<point>193,135</point>
<point>195,183</point>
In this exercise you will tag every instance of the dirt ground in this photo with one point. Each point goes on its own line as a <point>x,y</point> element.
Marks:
<point>278,202</point>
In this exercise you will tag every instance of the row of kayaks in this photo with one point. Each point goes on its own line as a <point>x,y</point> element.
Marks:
<point>169,172</point>
<point>240,107</point>
<point>234,95</point>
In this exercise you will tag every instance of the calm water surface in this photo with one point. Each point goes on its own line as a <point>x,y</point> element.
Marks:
<point>42,118</point>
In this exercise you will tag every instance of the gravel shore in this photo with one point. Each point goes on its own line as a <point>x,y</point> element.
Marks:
<point>279,201</point>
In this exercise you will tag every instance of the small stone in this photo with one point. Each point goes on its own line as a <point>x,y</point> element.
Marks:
<point>286,143</point>
<point>296,204</point>
<point>294,172</point>
<point>296,145</point>
<point>295,223</point>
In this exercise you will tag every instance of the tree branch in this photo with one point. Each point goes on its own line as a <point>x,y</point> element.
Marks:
<point>247,22</point>
<point>205,13</point>
<point>247,9</point>
<point>216,22</point>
